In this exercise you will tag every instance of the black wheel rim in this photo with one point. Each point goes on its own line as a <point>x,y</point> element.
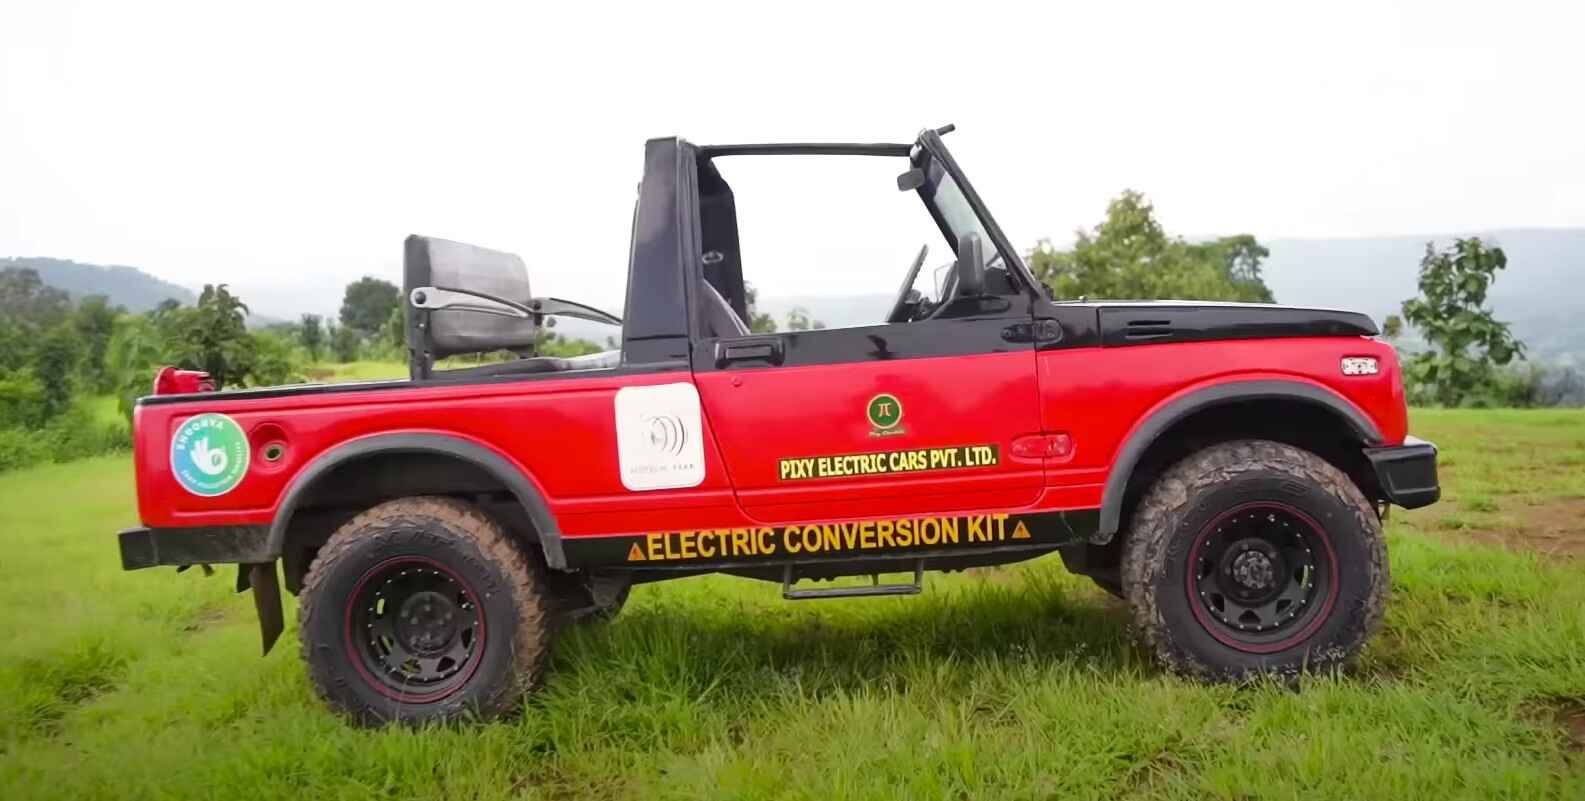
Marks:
<point>415,629</point>
<point>1262,577</point>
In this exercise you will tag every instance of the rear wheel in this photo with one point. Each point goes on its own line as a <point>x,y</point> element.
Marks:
<point>422,609</point>
<point>1255,557</point>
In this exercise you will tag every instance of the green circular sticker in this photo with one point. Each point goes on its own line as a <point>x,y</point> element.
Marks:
<point>209,454</point>
<point>885,411</point>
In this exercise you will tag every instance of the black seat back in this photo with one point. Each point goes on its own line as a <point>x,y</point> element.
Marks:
<point>441,263</point>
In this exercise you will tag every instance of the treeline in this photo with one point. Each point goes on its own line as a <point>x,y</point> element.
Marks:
<point>70,371</point>
<point>1455,353</point>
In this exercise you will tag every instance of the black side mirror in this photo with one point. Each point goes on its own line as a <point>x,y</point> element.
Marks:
<point>971,266</point>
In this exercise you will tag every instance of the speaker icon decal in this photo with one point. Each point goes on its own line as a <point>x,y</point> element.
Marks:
<point>659,437</point>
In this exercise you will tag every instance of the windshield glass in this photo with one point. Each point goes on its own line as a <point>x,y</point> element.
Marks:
<point>956,213</point>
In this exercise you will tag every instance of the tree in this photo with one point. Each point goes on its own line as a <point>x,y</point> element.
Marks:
<point>1392,327</point>
<point>798,319</point>
<point>54,363</point>
<point>312,335</point>
<point>95,322</point>
<point>344,344</point>
<point>758,322</point>
<point>26,299</point>
<point>367,305</point>
<point>396,329</point>
<point>1129,255</point>
<point>1467,343</point>
<point>211,336</point>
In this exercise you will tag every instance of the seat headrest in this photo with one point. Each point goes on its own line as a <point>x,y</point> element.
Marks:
<point>429,261</point>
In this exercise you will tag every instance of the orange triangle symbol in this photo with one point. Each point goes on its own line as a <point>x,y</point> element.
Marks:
<point>636,555</point>
<point>1021,532</point>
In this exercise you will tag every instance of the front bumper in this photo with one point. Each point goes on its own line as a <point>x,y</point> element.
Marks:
<point>204,545</point>
<point>1407,473</point>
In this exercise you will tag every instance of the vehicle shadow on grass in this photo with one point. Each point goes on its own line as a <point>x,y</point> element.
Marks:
<point>729,643</point>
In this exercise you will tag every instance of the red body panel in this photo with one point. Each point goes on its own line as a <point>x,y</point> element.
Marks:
<point>561,432</point>
<point>764,415</point>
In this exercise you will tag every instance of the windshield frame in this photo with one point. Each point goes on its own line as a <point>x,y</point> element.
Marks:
<point>931,155</point>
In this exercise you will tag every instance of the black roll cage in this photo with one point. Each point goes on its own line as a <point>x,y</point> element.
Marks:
<point>722,267</point>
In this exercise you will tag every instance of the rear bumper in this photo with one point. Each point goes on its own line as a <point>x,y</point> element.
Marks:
<point>205,545</point>
<point>1407,473</point>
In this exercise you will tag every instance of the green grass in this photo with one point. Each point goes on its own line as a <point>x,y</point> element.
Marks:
<point>356,371</point>
<point>1009,683</point>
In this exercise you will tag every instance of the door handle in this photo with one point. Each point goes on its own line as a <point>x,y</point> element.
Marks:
<point>768,350</point>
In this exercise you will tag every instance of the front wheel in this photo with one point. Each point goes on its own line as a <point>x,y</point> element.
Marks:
<point>421,609</point>
<point>1255,557</point>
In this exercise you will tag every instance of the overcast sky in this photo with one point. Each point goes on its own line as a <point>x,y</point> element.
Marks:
<point>287,148</point>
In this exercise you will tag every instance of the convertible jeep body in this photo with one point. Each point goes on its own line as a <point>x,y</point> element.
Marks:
<point>1222,467</point>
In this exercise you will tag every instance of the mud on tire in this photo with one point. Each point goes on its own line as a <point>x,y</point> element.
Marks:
<point>1254,557</point>
<point>422,609</point>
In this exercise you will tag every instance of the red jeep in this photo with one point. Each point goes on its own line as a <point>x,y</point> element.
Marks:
<point>1222,467</point>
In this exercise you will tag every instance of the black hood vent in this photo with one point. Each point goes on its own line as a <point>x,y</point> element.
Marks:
<point>1147,330</point>
<point>1125,323</point>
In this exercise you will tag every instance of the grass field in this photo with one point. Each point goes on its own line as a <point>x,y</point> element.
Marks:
<point>1006,683</point>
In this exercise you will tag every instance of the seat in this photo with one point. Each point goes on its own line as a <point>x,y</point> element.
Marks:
<point>429,261</point>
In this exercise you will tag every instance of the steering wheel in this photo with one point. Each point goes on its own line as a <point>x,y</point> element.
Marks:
<point>907,296</point>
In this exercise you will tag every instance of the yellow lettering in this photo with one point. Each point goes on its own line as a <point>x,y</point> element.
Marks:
<point>811,539</point>
<point>867,535</point>
<point>766,544</point>
<point>977,530</point>
<point>652,543</point>
<point>787,539</point>
<point>883,534</point>
<point>949,530</point>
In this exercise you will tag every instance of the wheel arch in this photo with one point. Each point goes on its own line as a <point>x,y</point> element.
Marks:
<point>1199,404</point>
<point>437,450</point>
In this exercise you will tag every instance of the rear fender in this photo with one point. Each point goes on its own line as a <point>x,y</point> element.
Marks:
<point>498,466</point>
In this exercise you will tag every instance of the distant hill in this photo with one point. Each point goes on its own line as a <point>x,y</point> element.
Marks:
<point>124,286</point>
<point>1542,293</point>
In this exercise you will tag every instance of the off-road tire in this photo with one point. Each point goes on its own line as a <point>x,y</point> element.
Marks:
<point>512,610</point>
<point>1109,585</point>
<point>1173,521</point>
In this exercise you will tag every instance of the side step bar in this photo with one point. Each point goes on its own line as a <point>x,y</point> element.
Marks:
<point>876,587</point>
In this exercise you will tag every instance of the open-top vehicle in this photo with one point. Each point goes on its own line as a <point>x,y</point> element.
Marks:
<point>1223,467</point>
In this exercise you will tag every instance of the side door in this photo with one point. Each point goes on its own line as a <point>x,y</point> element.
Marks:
<point>875,421</point>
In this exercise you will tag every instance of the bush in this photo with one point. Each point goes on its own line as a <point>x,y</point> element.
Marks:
<point>74,434</point>
<point>21,448</point>
<point>22,403</point>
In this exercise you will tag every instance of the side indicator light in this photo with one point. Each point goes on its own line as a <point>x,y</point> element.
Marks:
<point>1360,365</point>
<point>1043,446</point>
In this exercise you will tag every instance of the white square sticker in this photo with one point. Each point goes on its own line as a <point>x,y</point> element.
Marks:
<point>659,437</point>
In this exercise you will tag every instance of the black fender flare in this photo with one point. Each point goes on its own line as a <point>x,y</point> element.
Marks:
<point>1231,392</point>
<point>444,444</point>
